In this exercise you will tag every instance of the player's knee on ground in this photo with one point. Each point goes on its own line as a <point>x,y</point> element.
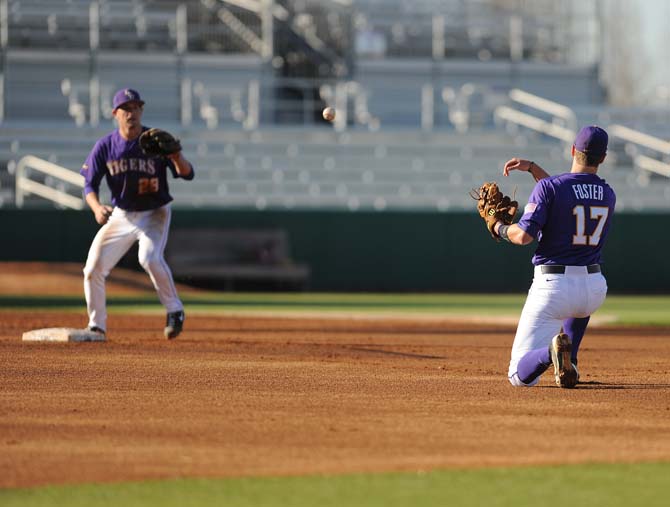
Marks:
<point>516,381</point>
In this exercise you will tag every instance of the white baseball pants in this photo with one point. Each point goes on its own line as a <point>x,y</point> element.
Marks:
<point>112,241</point>
<point>552,298</point>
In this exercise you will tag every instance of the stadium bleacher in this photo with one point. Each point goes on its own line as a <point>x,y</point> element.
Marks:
<point>419,132</point>
<point>288,168</point>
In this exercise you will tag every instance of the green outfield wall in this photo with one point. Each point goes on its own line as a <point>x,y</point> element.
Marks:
<point>372,251</point>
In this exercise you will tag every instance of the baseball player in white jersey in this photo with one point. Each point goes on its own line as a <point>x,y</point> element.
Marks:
<point>141,211</point>
<point>570,215</point>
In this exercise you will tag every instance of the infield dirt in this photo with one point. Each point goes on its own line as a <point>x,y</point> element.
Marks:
<point>250,396</point>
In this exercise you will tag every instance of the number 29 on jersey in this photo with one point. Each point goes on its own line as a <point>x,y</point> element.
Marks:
<point>147,186</point>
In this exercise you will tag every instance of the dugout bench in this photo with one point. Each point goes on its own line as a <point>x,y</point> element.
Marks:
<point>230,259</point>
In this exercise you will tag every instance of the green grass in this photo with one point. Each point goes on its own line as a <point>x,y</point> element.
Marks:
<point>619,485</point>
<point>621,310</point>
<point>638,310</point>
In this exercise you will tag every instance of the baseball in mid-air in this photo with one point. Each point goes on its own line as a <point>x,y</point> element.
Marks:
<point>329,113</point>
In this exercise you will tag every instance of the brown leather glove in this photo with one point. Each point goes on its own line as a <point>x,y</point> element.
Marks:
<point>494,206</point>
<point>159,143</point>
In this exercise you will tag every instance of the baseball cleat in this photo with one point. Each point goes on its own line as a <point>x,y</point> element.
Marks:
<point>174,324</point>
<point>564,371</point>
<point>96,329</point>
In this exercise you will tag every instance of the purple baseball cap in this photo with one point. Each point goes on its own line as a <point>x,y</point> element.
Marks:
<point>126,95</point>
<point>592,140</point>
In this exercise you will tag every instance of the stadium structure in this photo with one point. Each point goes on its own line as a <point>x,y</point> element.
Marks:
<point>432,97</point>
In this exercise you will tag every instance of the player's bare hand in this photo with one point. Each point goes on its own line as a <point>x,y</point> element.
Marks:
<point>102,214</point>
<point>516,164</point>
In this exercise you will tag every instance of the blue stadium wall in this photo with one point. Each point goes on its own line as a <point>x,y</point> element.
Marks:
<point>371,251</point>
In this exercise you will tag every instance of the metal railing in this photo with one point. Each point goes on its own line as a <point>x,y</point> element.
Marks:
<point>248,104</point>
<point>562,123</point>
<point>635,140</point>
<point>559,112</point>
<point>640,138</point>
<point>26,186</point>
<point>529,121</point>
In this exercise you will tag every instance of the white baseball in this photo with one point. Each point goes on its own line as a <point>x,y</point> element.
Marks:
<point>329,113</point>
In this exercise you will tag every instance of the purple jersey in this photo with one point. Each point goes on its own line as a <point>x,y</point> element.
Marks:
<point>136,181</point>
<point>570,215</point>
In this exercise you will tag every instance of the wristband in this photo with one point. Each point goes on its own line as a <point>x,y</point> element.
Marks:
<point>530,166</point>
<point>502,232</point>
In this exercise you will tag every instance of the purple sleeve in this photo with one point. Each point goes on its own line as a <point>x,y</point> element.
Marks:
<point>535,213</point>
<point>94,168</point>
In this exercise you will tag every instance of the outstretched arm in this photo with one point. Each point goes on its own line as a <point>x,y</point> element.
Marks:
<point>518,164</point>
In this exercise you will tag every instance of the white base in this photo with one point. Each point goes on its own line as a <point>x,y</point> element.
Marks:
<point>62,334</point>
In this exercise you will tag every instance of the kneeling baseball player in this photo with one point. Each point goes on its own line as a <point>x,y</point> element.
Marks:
<point>134,160</point>
<point>570,216</point>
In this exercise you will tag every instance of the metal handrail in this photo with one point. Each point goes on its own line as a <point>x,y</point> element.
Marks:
<point>567,135</point>
<point>24,185</point>
<point>534,123</point>
<point>637,137</point>
<point>545,105</point>
<point>652,165</point>
<point>551,128</point>
<point>255,6</point>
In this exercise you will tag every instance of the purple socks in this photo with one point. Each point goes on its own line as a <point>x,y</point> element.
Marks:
<point>575,329</point>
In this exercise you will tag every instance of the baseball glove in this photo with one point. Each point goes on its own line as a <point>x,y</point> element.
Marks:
<point>494,206</point>
<point>159,143</point>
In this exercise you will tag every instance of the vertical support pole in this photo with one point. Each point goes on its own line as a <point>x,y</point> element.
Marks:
<point>94,78</point>
<point>516,38</point>
<point>181,23</point>
<point>94,95</point>
<point>427,107</point>
<point>94,26</point>
<point>253,105</point>
<point>438,37</point>
<point>186,102</point>
<point>4,44</point>
<point>428,90</point>
<point>269,93</point>
<point>184,83</point>
<point>341,106</point>
<point>18,191</point>
<point>267,30</point>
